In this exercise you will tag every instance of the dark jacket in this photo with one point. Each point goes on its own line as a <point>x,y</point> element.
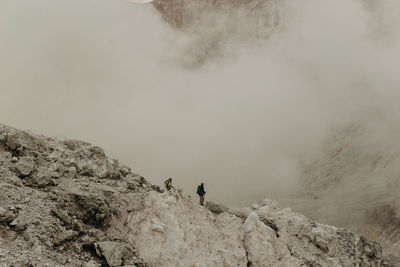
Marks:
<point>200,190</point>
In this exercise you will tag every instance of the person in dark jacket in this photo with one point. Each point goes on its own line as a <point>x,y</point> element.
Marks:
<point>201,193</point>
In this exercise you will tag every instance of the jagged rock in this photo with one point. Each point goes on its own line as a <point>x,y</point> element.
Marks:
<point>26,166</point>
<point>6,215</point>
<point>279,237</point>
<point>262,245</point>
<point>95,210</point>
<point>241,213</point>
<point>65,236</point>
<point>270,223</point>
<point>216,207</point>
<point>113,252</point>
<point>75,144</point>
<point>15,139</point>
<point>92,218</point>
<point>42,178</point>
<point>18,223</point>
<point>54,156</point>
<point>255,206</point>
<point>102,171</point>
<point>14,222</point>
<point>132,186</point>
<point>63,216</point>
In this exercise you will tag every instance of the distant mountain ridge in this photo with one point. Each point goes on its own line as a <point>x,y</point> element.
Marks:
<point>358,177</point>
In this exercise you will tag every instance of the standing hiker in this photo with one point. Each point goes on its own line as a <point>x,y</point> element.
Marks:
<point>168,184</point>
<point>201,193</point>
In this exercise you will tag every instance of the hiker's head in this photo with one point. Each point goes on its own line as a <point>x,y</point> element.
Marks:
<point>202,184</point>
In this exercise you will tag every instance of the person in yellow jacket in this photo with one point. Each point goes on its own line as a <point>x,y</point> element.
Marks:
<point>168,184</point>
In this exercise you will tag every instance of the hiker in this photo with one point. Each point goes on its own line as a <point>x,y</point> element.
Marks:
<point>201,193</point>
<point>168,184</point>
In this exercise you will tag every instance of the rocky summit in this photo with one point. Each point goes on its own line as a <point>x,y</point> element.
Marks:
<point>65,203</point>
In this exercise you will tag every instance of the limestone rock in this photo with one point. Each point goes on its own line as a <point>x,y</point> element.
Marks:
<point>94,209</point>
<point>113,252</point>
<point>100,213</point>
<point>216,207</point>
<point>42,178</point>
<point>6,215</point>
<point>64,236</point>
<point>241,213</point>
<point>14,222</point>
<point>25,166</point>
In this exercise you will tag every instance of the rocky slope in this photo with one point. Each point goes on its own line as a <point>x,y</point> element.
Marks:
<point>356,175</point>
<point>64,203</point>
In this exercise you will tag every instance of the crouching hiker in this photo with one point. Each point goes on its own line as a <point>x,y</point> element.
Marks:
<point>201,193</point>
<point>168,184</point>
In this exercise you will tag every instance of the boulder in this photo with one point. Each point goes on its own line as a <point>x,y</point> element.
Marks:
<point>42,178</point>
<point>113,252</point>
<point>216,207</point>
<point>95,210</point>
<point>6,215</point>
<point>25,166</point>
<point>242,213</point>
<point>65,236</point>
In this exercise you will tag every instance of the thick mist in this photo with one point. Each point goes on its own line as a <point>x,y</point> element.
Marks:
<point>117,75</point>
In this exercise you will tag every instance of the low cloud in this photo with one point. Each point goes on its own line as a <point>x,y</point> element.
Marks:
<point>115,74</point>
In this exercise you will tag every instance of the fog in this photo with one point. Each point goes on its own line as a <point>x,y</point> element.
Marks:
<point>240,120</point>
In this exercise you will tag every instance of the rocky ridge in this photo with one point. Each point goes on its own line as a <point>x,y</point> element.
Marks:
<point>65,203</point>
<point>358,176</point>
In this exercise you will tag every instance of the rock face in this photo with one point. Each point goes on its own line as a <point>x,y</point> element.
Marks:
<point>183,234</point>
<point>358,176</point>
<point>183,14</point>
<point>216,25</point>
<point>60,201</point>
<point>65,203</point>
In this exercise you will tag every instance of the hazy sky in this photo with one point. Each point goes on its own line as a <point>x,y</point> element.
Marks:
<point>113,73</point>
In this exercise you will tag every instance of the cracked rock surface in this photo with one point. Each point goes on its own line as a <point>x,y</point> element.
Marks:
<point>65,203</point>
